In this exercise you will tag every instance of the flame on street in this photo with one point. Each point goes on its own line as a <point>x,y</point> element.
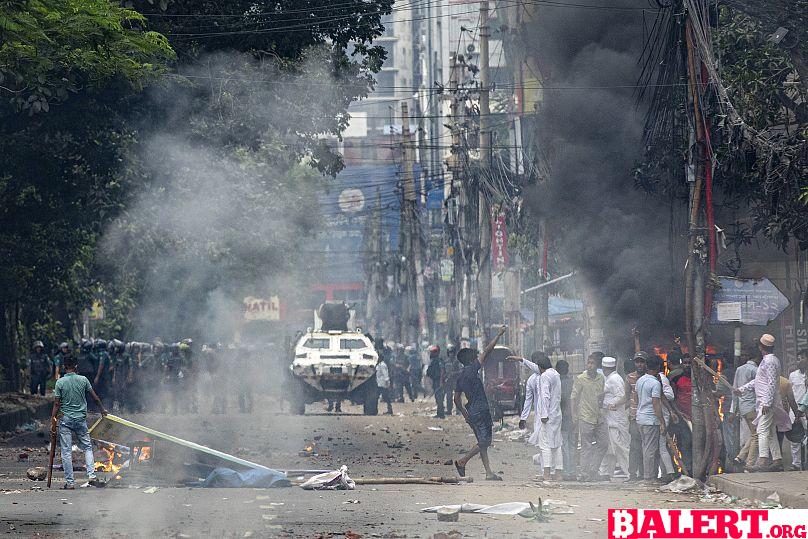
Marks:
<point>109,465</point>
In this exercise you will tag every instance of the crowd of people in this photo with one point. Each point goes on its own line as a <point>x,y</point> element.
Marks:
<point>640,426</point>
<point>158,377</point>
<point>601,424</point>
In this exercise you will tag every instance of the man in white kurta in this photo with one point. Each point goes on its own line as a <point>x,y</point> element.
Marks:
<point>616,414</point>
<point>532,403</point>
<point>547,423</point>
<point>550,436</point>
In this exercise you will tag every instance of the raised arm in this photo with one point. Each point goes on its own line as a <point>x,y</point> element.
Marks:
<point>484,356</point>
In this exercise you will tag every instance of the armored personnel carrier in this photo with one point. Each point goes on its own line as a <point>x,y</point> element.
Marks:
<point>333,361</point>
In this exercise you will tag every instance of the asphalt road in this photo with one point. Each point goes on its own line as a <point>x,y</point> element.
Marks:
<point>397,446</point>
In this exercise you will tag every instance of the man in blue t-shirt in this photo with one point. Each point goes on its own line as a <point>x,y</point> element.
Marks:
<point>650,421</point>
<point>476,411</point>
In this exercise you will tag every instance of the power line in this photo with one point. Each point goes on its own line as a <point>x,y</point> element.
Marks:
<point>316,24</point>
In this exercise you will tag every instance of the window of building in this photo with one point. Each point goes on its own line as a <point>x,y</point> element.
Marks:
<point>389,26</point>
<point>385,83</point>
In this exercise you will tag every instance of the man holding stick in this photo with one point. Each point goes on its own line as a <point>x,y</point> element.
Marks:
<point>476,411</point>
<point>71,401</point>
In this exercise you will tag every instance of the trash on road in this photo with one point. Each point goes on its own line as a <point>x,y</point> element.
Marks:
<point>412,480</point>
<point>463,508</point>
<point>518,435</point>
<point>448,514</point>
<point>229,478</point>
<point>336,480</point>
<point>435,428</point>
<point>150,490</point>
<point>165,457</point>
<point>308,451</point>
<point>682,484</point>
<point>37,473</point>
<point>539,512</point>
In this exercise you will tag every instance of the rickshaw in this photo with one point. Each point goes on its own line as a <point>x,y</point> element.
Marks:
<point>503,384</point>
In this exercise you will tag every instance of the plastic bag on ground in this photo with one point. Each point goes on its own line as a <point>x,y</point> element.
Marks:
<point>336,480</point>
<point>682,484</point>
<point>228,478</point>
<point>464,508</point>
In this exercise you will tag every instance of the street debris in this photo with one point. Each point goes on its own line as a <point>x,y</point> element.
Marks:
<point>336,480</point>
<point>128,449</point>
<point>519,435</point>
<point>412,480</point>
<point>228,478</point>
<point>435,428</point>
<point>448,514</point>
<point>38,473</point>
<point>150,490</point>
<point>351,501</point>
<point>309,451</point>
<point>527,510</point>
<point>682,484</point>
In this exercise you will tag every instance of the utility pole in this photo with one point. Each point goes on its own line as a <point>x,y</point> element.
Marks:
<point>375,270</point>
<point>457,164</point>
<point>483,208</point>
<point>414,260</point>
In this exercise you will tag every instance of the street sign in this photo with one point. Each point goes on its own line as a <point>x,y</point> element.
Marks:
<point>751,302</point>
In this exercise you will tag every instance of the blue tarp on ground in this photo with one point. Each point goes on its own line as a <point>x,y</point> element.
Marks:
<point>227,478</point>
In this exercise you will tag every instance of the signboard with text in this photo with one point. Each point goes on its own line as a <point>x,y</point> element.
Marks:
<point>751,302</point>
<point>262,308</point>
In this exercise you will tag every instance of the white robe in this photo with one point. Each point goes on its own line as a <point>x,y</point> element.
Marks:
<point>533,401</point>
<point>550,388</point>
<point>614,391</point>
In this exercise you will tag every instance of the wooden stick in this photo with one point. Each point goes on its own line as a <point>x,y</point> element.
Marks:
<point>411,480</point>
<point>721,378</point>
<point>52,453</point>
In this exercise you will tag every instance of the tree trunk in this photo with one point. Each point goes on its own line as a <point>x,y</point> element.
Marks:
<point>8,348</point>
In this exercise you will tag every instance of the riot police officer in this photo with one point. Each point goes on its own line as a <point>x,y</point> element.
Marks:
<point>58,360</point>
<point>101,384</point>
<point>119,369</point>
<point>452,367</point>
<point>39,369</point>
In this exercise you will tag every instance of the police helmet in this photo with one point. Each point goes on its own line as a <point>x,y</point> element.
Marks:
<point>101,344</point>
<point>38,344</point>
<point>64,346</point>
<point>86,345</point>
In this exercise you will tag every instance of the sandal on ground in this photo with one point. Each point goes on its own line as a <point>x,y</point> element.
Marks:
<point>461,469</point>
<point>493,477</point>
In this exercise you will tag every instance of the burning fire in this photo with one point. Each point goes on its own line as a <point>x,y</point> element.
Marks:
<point>145,454</point>
<point>718,368</point>
<point>664,355</point>
<point>109,465</point>
<point>112,459</point>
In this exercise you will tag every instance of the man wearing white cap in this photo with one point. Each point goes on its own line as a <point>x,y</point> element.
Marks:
<point>614,407</point>
<point>771,416</point>
<point>546,392</point>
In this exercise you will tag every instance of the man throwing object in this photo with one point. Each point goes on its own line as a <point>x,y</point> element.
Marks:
<point>476,411</point>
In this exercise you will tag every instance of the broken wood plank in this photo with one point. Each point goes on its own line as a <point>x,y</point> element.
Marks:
<point>122,431</point>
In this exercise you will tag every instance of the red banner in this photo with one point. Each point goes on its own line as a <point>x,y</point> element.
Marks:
<point>499,242</point>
